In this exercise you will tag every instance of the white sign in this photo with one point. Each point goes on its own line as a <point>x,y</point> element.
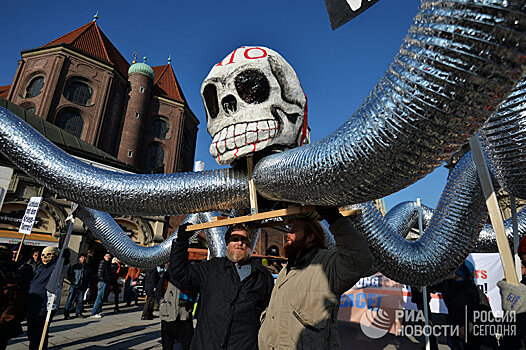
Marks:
<point>199,166</point>
<point>488,271</point>
<point>29,217</point>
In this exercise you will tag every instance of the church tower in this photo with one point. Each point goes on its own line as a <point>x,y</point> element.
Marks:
<point>140,77</point>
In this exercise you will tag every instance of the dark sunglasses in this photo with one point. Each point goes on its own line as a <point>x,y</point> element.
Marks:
<point>238,238</point>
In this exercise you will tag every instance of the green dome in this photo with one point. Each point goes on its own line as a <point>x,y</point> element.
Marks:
<point>141,68</point>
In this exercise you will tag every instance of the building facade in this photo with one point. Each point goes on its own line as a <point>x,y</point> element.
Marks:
<point>80,92</point>
<point>137,113</point>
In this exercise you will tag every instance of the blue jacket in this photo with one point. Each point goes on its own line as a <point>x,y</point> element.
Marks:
<point>79,275</point>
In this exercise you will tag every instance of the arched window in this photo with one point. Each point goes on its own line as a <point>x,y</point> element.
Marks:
<point>71,121</point>
<point>160,129</point>
<point>31,109</point>
<point>35,87</point>
<point>78,92</point>
<point>154,159</point>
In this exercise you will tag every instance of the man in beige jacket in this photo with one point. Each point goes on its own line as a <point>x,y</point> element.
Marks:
<point>303,308</point>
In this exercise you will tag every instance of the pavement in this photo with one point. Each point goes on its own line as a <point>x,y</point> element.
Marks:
<point>121,330</point>
<point>126,330</point>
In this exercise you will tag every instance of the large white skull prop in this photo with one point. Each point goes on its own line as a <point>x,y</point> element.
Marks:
<point>254,101</point>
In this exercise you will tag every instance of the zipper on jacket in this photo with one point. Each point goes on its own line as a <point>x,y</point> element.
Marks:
<point>308,326</point>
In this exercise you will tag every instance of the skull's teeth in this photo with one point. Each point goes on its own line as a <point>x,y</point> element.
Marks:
<point>263,135</point>
<point>213,150</point>
<point>221,146</point>
<point>230,143</point>
<point>241,128</point>
<point>252,136</point>
<point>240,141</point>
<point>222,135</point>
<point>243,135</point>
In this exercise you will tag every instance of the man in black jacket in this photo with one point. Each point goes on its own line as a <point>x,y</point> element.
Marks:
<point>233,291</point>
<point>151,279</point>
<point>79,276</point>
<point>105,276</point>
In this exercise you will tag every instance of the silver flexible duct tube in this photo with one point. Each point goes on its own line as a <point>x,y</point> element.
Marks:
<point>330,242</point>
<point>445,243</point>
<point>120,245</point>
<point>458,62</point>
<point>487,241</point>
<point>504,140</point>
<point>404,216</point>
<point>118,193</point>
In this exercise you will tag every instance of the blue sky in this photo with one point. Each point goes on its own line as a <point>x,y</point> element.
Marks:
<point>337,69</point>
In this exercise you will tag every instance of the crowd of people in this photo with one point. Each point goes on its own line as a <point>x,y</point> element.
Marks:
<point>26,290</point>
<point>237,301</point>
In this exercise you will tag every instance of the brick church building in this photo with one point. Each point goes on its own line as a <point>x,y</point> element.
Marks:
<point>81,83</point>
<point>82,94</point>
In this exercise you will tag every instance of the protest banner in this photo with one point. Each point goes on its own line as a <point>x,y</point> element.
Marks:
<point>379,292</point>
<point>374,292</point>
<point>29,217</point>
<point>28,220</point>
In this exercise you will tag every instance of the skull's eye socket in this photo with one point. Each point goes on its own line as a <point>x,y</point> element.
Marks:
<point>212,104</point>
<point>252,86</point>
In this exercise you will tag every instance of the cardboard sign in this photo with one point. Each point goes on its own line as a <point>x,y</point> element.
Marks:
<point>29,217</point>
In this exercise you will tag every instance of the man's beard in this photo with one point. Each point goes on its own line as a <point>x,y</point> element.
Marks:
<point>291,250</point>
<point>237,257</point>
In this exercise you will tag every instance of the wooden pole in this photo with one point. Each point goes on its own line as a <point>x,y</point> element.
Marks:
<point>494,211</point>
<point>515,225</point>
<point>20,247</point>
<point>46,324</point>
<point>2,196</point>
<point>262,216</point>
<point>379,204</point>
<point>252,187</point>
<point>424,288</point>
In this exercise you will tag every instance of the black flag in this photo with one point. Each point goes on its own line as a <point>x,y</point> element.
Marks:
<point>342,11</point>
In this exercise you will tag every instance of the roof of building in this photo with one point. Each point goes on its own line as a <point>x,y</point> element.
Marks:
<point>4,90</point>
<point>166,84</point>
<point>89,39</point>
<point>142,68</point>
<point>68,142</point>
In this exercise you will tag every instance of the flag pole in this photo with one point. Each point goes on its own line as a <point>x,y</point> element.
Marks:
<point>424,288</point>
<point>54,280</point>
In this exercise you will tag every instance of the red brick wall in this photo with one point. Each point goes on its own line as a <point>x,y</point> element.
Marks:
<point>269,236</point>
<point>134,120</point>
<point>103,111</point>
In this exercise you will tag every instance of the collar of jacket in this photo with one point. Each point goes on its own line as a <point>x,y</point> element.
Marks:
<point>304,259</point>
<point>256,266</point>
